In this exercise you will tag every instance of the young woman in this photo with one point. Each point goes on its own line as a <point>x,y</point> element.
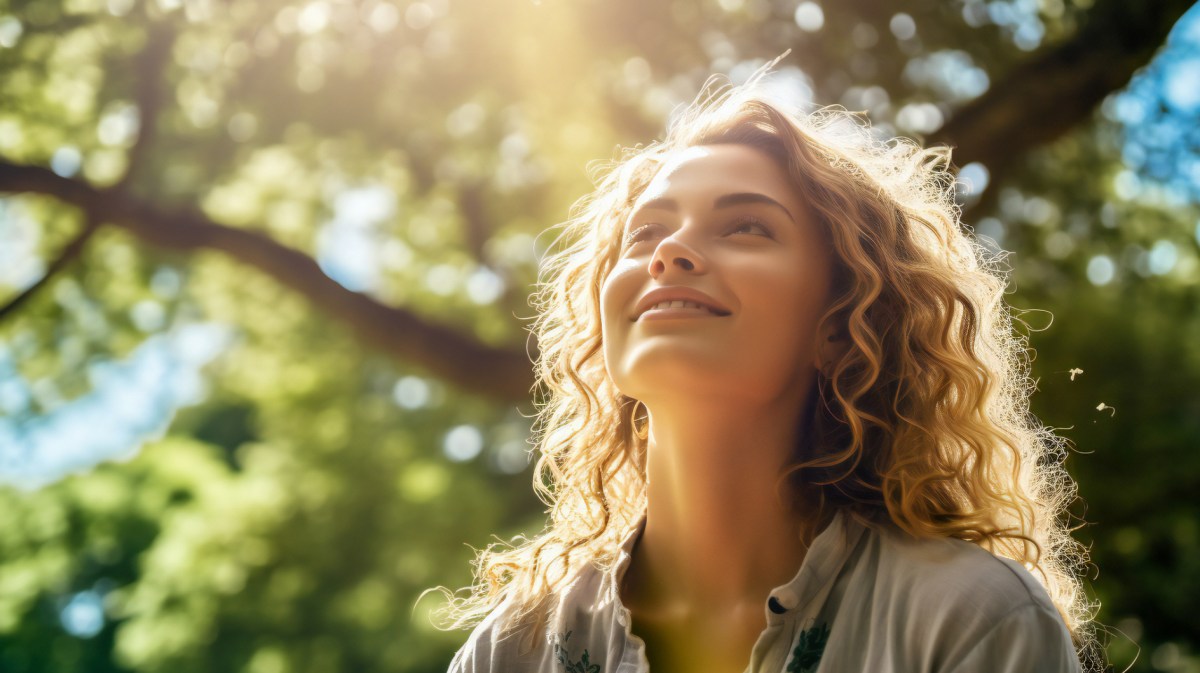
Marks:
<point>787,425</point>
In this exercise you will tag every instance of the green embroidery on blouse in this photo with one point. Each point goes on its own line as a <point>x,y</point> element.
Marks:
<point>564,658</point>
<point>809,649</point>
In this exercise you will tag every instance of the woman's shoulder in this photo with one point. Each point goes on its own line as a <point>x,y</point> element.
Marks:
<point>529,636</point>
<point>503,638</point>
<point>949,568</point>
<point>963,601</point>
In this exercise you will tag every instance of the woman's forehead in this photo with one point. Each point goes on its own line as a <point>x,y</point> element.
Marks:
<point>718,168</point>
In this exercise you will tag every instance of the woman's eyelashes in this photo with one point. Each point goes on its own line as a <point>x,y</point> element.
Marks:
<point>752,225</point>
<point>740,226</point>
<point>636,235</point>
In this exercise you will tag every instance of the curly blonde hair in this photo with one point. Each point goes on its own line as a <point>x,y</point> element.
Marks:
<point>923,419</point>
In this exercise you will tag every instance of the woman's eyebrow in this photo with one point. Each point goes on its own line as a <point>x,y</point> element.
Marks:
<point>750,197</point>
<point>737,198</point>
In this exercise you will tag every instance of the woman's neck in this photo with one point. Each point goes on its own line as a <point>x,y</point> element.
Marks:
<point>719,535</point>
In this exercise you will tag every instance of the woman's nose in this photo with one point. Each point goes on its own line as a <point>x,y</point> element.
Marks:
<point>675,253</point>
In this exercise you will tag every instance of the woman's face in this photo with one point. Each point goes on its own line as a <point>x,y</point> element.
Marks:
<point>722,223</point>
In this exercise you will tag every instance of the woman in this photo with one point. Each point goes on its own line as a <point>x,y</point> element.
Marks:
<point>787,424</point>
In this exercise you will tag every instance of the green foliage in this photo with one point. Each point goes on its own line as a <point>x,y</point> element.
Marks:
<point>289,520</point>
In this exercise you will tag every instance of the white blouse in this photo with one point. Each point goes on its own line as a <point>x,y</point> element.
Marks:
<point>863,600</point>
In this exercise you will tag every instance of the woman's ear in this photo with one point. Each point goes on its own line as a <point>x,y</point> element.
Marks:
<point>832,345</point>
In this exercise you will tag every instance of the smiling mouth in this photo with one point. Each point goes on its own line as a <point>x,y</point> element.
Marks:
<point>679,309</point>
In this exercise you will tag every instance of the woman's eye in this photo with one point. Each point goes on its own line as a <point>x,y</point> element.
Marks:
<point>751,225</point>
<point>748,225</point>
<point>637,234</point>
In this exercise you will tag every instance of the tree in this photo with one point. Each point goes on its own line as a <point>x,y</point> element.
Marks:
<point>355,189</point>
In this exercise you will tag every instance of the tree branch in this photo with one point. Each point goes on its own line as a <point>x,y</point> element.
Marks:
<point>69,252</point>
<point>150,73</point>
<point>1032,105</point>
<point>1058,89</point>
<point>499,373</point>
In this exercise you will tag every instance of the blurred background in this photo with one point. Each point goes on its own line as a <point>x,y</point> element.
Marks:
<point>264,268</point>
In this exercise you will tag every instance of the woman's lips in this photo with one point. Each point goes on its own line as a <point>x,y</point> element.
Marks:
<point>677,313</point>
